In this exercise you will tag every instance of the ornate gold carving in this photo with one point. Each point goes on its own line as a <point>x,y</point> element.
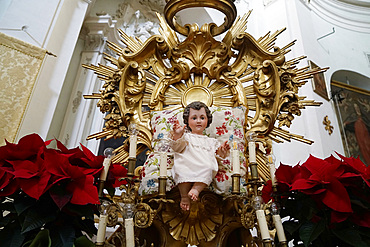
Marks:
<point>328,125</point>
<point>225,6</point>
<point>166,73</point>
<point>163,72</point>
<point>199,224</point>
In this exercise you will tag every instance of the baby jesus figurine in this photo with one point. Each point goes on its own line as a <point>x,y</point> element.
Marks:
<point>195,158</point>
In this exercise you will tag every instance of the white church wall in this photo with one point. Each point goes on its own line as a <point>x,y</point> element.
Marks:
<point>58,27</point>
<point>36,16</point>
<point>341,49</point>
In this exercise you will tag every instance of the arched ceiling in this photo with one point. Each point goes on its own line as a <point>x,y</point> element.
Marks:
<point>349,14</point>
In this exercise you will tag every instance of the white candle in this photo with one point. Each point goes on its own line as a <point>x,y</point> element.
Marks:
<point>236,162</point>
<point>129,227</point>
<point>163,164</point>
<point>133,140</point>
<point>279,228</point>
<point>272,173</point>
<point>104,172</point>
<point>100,236</point>
<point>252,152</point>
<point>262,224</point>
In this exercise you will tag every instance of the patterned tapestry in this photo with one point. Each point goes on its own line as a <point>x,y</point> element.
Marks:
<point>20,63</point>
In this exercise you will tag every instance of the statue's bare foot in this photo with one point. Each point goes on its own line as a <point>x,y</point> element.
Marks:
<point>185,203</point>
<point>193,194</point>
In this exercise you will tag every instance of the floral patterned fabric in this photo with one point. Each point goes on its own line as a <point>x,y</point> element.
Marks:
<point>227,125</point>
<point>20,63</point>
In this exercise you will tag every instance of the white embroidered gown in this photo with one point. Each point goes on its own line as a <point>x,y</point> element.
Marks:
<point>194,158</point>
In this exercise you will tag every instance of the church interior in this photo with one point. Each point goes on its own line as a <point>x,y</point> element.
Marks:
<point>288,87</point>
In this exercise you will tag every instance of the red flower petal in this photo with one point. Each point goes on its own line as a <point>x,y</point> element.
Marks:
<point>84,191</point>
<point>267,192</point>
<point>287,174</point>
<point>362,219</point>
<point>337,217</point>
<point>336,197</point>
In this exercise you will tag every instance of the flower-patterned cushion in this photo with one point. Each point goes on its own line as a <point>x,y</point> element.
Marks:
<point>227,125</point>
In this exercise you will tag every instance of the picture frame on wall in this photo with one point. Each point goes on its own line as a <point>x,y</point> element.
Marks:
<point>318,82</point>
<point>352,106</point>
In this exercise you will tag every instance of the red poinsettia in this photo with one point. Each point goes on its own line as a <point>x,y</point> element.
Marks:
<point>80,187</point>
<point>329,182</point>
<point>116,171</point>
<point>68,174</point>
<point>22,166</point>
<point>319,177</point>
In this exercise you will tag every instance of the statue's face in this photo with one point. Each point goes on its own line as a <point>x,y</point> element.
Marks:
<point>197,120</point>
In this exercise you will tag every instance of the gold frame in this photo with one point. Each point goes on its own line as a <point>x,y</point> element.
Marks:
<point>319,82</point>
<point>345,108</point>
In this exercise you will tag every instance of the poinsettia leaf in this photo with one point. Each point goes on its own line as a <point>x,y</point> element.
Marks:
<point>37,216</point>
<point>337,198</point>
<point>47,143</point>
<point>111,191</point>
<point>7,219</point>
<point>350,236</point>
<point>67,235</point>
<point>61,146</point>
<point>23,203</point>
<point>309,231</point>
<point>11,235</point>
<point>86,225</point>
<point>291,226</point>
<point>8,206</point>
<point>42,239</point>
<point>83,241</point>
<point>88,153</point>
<point>84,191</point>
<point>60,196</point>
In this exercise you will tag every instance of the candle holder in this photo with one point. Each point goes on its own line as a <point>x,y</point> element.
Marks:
<point>108,154</point>
<point>254,171</point>
<point>261,219</point>
<point>251,137</point>
<point>235,184</point>
<point>131,166</point>
<point>162,186</point>
<point>103,209</point>
<point>278,224</point>
<point>267,243</point>
<point>283,244</point>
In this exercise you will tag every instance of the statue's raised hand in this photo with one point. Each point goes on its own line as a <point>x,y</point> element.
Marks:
<point>178,130</point>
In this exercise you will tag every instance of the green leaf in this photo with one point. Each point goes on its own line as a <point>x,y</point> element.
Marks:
<point>350,236</point>
<point>8,206</point>
<point>42,239</point>
<point>21,204</point>
<point>309,231</point>
<point>67,235</point>
<point>111,191</point>
<point>11,236</point>
<point>83,241</point>
<point>37,217</point>
<point>291,226</point>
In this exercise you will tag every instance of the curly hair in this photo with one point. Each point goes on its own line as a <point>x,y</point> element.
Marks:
<point>196,105</point>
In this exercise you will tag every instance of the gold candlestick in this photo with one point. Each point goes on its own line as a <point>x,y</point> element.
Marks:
<point>267,243</point>
<point>283,244</point>
<point>131,166</point>
<point>235,184</point>
<point>162,186</point>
